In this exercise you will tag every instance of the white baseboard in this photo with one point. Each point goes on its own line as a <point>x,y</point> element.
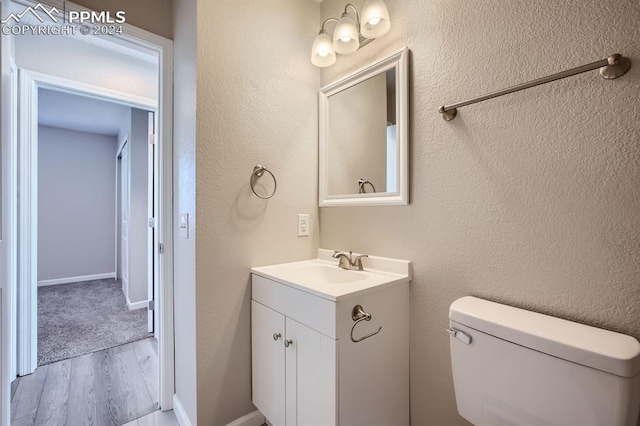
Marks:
<point>252,419</point>
<point>69,280</point>
<point>179,412</point>
<point>136,305</point>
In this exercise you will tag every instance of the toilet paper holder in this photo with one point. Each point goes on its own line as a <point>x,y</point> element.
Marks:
<point>358,315</point>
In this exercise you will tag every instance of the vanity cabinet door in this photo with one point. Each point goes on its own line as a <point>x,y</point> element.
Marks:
<point>310,376</point>
<point>268,362</point>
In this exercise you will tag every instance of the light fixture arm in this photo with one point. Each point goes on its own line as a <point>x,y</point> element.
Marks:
<point>322,29</point>
<point>349,32</point>
<point>346,12</point>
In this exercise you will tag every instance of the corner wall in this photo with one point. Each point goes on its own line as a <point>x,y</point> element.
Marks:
<point>531,199</point>
<point>184,193</point>
<point>257,104</point>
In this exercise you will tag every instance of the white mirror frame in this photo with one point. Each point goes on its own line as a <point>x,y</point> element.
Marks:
<point>399,61</point>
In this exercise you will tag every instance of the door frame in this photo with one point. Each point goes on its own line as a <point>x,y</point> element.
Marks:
<point>29,83</point>
<point>152,214</point>
<point>152,234</point>
<point>8,219</point>
<point>119,264</point>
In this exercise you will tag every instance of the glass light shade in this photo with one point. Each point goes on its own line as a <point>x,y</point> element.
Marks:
<point>345,36</point>
<point>322,53</point>
<point>375,20</point>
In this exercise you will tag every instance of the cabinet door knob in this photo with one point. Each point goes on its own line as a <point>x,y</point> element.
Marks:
<point>276,336</point>
<point>288,343</point>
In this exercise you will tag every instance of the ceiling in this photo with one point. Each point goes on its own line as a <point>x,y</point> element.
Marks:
<point>80,113</point>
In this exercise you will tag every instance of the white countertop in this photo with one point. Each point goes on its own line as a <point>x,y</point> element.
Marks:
<point>324,278</point>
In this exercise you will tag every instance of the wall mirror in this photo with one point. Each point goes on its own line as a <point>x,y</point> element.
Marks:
<point>364,136</point>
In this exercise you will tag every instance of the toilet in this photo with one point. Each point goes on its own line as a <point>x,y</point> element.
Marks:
<point>516,367</point>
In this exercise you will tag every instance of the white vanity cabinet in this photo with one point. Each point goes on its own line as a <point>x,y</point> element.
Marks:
<point>307,371</point>
<point>293,384</point>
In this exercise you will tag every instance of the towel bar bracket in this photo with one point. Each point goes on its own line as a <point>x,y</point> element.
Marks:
<point>617,67</point>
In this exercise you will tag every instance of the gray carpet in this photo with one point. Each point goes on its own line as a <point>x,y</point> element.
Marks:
<point>79,318</point>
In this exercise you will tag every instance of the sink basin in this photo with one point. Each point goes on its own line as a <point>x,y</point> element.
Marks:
<point>323,277</point>
<point>329,274</point>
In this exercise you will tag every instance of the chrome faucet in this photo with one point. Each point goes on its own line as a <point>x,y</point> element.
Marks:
<point>348,262</point>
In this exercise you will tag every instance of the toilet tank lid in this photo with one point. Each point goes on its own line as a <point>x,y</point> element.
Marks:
<point>593,347</point>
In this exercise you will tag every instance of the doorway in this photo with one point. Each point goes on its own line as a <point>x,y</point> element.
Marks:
<point>84,303</point>
<point>22,351</point>
<point>89,322</point>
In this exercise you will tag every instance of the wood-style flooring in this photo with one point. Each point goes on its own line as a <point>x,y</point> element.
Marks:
<point>109,387</point>
<point>157,418</point>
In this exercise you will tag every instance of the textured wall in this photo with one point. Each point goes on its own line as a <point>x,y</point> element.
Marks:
<point>76,195</point>
<point>184,194</point>
<point>531,199</point>
<point>257,104</point>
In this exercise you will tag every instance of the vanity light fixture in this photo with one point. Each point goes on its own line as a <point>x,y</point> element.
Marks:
<point>350,34</point>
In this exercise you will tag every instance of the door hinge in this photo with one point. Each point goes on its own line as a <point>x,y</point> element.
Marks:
<point>161,248</point>
<point>152,139</point>
<point>152,305</point>
<point>152,222</point>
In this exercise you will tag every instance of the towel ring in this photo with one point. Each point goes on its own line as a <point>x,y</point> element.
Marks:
<point>358,315</point>
<point>258,172</point>
<point>361,183</point>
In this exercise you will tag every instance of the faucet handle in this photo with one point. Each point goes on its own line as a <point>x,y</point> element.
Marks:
<point>345,260</point>
<point>337,254</point>
<point>357,262</point>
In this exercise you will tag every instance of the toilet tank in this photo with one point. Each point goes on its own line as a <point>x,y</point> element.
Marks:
<point>516,367</point>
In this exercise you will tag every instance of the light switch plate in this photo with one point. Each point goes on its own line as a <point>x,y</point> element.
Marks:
<point>184,226</point>
<point>304,223</point>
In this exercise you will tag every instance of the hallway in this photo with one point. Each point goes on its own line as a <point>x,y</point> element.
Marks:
<point>79,318</point>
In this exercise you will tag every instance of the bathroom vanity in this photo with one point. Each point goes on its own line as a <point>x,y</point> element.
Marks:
<point>331,346</point>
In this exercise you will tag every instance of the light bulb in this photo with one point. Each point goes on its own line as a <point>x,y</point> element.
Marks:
<point>345,35</point>
<point>322,53</point>
<point>375,19</point>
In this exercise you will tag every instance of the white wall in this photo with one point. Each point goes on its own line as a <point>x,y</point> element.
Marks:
<point>135,129</point>
<point>184,192</point>
<point>74,60</point>
<point>257,104</point>
<point>76,195</point>
<point>531,199</point>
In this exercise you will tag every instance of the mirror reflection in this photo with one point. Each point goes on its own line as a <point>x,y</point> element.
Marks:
<point>362,150</point>
<point>363,136</point>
